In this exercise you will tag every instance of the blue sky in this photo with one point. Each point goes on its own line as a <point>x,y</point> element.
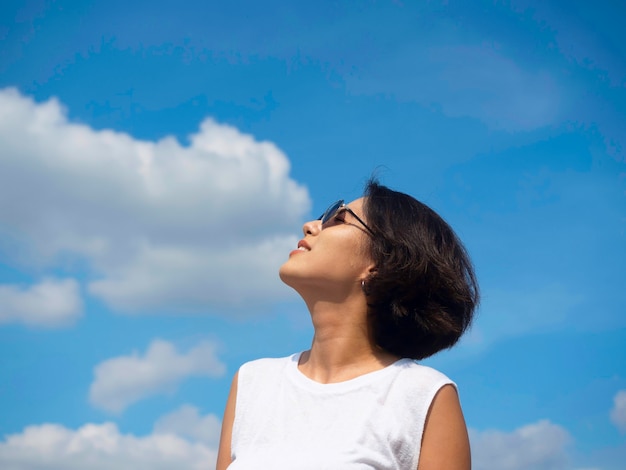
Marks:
<point>157,160</point>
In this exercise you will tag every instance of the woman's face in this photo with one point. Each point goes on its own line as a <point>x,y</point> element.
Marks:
<point>333,257</point>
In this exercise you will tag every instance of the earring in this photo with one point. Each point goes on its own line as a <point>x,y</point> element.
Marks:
<point>364,288</point>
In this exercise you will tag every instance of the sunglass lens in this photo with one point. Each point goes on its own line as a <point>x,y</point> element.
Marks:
<point>331,211</point>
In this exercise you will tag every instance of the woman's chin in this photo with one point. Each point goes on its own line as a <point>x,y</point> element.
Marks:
<point>284,273</point>
<point>292,277</point>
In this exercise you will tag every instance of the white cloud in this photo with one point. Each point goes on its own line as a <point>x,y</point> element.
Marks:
<point>540,446</point>
<point>50,303</point>
<point>219,276</point>
<point>124,380</point>
<point>618,412</point>
<point>153,220</point>
<point>187,422</point>
<point>100,447</point>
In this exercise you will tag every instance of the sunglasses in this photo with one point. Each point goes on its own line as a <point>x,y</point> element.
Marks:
<point>340,206</point>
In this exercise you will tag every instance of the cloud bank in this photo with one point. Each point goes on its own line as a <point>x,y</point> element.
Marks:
<point>124,380</point>
<point>185,439</point>
<point>159,225</point>
<point>511,313</point>
<point>476,81</point>
<point>100,447</point>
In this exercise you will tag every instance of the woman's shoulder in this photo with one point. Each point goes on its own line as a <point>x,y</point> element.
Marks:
<point>416,373</point>
<point>267,364</point>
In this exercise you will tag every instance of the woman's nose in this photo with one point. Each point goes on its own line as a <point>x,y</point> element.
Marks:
<point>312,227</point>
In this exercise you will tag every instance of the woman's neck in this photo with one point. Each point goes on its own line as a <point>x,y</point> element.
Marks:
<point>343,347</point>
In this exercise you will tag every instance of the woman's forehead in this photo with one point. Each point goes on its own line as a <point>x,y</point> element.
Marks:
<point>356,205</point>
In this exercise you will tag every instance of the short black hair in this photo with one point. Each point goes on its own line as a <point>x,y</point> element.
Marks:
<point>423,292</point>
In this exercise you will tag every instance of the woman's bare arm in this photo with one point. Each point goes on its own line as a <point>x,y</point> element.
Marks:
<point>224,454</point>
<point>445,444</point>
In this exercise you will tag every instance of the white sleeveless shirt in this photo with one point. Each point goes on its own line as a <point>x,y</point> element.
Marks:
<point>286,421</point>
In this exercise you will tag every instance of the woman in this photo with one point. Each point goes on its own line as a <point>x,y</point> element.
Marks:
<point>386,282</point>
